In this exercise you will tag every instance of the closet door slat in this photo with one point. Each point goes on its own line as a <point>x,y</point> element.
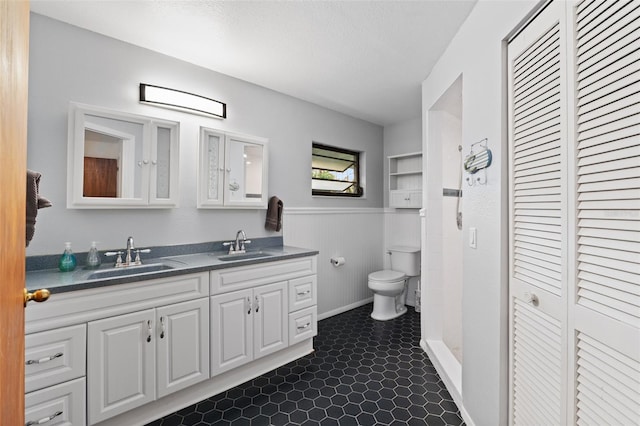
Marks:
<point>608,383</point>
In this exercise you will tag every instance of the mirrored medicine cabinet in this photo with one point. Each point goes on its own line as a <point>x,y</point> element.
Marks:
<point>233,170</point>
<point>121,160</point>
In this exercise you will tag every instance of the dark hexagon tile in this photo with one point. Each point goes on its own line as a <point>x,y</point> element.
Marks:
<point>433,420</point>
<point>363,372</point>
<point>335,412</point>
<point>352,409</point>
<point>279,419</point>
<point>298,417</point>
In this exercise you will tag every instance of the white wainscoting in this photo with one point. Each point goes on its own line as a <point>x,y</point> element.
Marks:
<point>356,234</point>
<point>402,228</point>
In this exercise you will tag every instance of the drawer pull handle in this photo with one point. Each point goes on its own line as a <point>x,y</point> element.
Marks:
<point>45,359</point>
<point>304,327</point>
<point>44,419</point>
<point>148,331</point>
<point>304,292</point>
<point>257,304</point>
<point>162,327</point>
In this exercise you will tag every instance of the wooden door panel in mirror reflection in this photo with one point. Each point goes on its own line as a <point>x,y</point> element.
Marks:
<point>100,177</point>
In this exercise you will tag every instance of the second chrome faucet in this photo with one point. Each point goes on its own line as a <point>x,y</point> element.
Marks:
<point>238,246</point>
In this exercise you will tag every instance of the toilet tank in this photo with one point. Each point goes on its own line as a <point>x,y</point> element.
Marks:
<point>405,259</point>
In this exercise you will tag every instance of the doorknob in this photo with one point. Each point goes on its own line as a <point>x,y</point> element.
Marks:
<point>38,296</point>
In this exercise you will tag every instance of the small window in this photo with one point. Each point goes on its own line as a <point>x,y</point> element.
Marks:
<point>335,172</point>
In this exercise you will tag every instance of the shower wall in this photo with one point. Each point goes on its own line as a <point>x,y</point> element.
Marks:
<point>451,133</point>
<point>443,249</point>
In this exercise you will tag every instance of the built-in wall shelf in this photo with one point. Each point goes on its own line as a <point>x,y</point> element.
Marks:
<point>405,180</point>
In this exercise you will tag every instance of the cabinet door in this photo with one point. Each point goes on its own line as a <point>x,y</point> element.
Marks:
<point>182,343</point>
<point>271,313</point>
<point>231,330</point>
<point>165,160</point>
<point>246,166</point>
<point>398,199</point>
<point>415,199</point>
<point>211,168</point>
<point>407,199</point>
<point>121,364</point>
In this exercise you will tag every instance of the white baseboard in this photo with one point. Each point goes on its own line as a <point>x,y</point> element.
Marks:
<point>343,309</point>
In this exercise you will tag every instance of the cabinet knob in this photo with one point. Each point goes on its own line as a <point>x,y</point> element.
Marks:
<point>41,295</point>
<point>257,304</point>
<point>148,331</point>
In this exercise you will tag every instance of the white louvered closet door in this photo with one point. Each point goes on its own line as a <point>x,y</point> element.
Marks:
<point>538,220</point>
<point>605,304</point>
<point>575,215</point>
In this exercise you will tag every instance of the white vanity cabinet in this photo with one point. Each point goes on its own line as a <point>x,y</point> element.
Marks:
<point>257,310</point>
<point>134,352</point>
<point>248,324</point>
<point>103,332</point>
<point>138,357</point>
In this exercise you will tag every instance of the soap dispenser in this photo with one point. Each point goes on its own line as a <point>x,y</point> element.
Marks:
<point>68,260</point>
<point>93,257</point>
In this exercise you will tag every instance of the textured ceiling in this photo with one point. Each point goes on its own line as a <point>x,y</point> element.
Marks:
<point>363,58</point>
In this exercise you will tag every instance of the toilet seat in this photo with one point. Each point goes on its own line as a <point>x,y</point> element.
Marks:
<point>387,275</point>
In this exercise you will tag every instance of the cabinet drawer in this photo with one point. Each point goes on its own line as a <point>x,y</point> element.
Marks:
<point>54,356</point>
<point>75,307</point>
<point>241,277</point>
<point>303,325</point>
<point>302,293</point>
<point>62,404</point>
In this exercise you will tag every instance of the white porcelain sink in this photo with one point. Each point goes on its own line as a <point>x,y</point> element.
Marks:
<point>128,271</point>
<point>243,256</point>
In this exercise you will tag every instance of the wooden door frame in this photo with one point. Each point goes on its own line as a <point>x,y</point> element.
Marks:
<point>14,77</point>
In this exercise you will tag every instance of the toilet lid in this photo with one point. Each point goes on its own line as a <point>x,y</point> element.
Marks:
<point>386,275</point>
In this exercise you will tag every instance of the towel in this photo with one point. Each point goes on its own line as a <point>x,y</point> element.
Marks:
<point>274,214</point>
<point>34,202</point>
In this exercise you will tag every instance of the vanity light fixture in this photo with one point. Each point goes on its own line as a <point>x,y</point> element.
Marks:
<point>184,101</point>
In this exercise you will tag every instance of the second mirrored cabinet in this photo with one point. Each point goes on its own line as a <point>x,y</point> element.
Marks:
<point>233,170</point>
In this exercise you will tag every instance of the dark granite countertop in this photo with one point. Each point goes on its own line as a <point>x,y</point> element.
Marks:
<point>178,260</point>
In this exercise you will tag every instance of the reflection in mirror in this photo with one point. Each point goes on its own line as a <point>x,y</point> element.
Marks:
<point>253,170</point>
<point>120,160</point>
<point>245,170</point>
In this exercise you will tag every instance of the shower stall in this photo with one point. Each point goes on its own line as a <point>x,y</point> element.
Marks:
<point>443,224</point>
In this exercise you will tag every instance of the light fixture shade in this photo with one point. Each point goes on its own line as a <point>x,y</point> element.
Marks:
<point>177,99</point>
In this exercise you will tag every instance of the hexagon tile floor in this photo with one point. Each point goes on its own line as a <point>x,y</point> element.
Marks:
<point>363,372</point>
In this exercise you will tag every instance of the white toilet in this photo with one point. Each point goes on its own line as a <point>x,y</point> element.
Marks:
<point>390,286</point>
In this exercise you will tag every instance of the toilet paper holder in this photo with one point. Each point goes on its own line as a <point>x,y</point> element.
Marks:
<point>337,261</point>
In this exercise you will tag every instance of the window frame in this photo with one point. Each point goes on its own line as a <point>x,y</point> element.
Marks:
<point>357,180</point>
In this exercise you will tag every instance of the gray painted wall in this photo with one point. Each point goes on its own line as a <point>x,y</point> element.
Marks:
<point>71,64</point>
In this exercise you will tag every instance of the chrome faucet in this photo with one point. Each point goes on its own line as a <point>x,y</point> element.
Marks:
<point>128,260</point>
<point>129,248</point>
<point>238,246</point>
